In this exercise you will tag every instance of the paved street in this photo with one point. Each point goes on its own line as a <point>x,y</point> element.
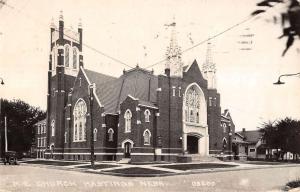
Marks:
<point>32,178</point>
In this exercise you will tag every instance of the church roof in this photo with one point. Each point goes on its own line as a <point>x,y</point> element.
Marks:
<point>112,91</point>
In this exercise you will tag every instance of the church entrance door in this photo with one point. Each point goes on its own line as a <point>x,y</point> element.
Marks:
<point>127,150</point>
<point>192,144</point>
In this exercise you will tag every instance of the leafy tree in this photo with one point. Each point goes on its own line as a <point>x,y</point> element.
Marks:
<point>291,15</point>
<point>283,134</point>
<point>21,118</point>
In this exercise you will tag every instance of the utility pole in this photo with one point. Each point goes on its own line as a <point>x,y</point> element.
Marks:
<point>91,130</point>
<point>5,133</point>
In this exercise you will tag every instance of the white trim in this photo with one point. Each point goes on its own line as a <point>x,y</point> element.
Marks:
<point>125,141</point>
<point>137,109</point>
<point>147,106</point>
<point>158,89</point>
<point>89,82</point>
<point>157,114</point>
<point>132,97</point>
<point>138,122</point>
<point>103,125</point>
<point>84,153</point>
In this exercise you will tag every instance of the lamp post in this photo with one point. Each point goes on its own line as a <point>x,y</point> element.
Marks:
<point>285,75</point>
<point>230,142</point>
<point>2,82</point>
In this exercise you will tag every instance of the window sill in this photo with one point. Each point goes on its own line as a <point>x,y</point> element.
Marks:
<point>79,141</point>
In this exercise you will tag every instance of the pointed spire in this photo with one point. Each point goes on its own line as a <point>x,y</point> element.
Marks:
<point>209,64</point>
<point>79,24</point>
<point>173,53</point>
<point>209,68</point>
<point>52,25</point>
<point>61,17</point>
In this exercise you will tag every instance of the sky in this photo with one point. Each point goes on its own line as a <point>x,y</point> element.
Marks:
<point>130,29</point>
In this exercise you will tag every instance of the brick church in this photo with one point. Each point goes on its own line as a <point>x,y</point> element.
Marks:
<point>138,115</point>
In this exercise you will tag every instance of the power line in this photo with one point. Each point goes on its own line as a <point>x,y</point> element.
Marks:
<point>2,2</point>
<point>216,35</point>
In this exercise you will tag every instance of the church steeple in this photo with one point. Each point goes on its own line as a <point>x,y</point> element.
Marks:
<point>209,68</point>
<point>173,54</point>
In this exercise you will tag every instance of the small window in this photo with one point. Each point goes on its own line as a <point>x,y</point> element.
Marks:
<point>224,128</point>
<point>38,129</point>
<point>67,53</point>
<point>210,101</point>
<point>53,128</point>
<point>252,150</point>
<point>147,136</point>
<point>66,137</point>
<point>95,134</point>
<point>110,134</point>
<point>74,58</point>
<point>147,115</point>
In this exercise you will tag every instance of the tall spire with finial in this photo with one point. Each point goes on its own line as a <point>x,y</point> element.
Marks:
<point>209,68</point>
<point>61,15</point>
<point>173,53</point>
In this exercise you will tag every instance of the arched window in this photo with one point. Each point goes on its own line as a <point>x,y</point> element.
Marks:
<point>110,134</point>
<point>54,58</point>
<point>224,143</point>
<point>79,113</point>
<point>147,115</point>
<point>95,134</point>
<point>146,136</point>
<point>192,105</point>
<point>127,117</point>
<point>67,56</point>
<point>65,136</point>
<point>74,58</point>
<point>224,128</point>
<point>53,128</point>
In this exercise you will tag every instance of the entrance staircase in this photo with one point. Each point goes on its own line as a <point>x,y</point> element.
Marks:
<point>124,161</point>
<point>199,158</point>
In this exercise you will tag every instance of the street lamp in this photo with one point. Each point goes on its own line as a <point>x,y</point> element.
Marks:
<point>2,82</point>
<point>285,75</point>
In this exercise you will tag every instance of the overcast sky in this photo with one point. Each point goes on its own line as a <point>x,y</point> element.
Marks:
<point>126,30</point>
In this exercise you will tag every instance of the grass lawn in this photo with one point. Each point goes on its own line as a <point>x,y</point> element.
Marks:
<point>137,170</point>
<point>56,163</point>
<point>99,166</point>
<point>185,167</point>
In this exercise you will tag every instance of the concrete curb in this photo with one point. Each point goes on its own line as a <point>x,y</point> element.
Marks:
<point>188,172</point>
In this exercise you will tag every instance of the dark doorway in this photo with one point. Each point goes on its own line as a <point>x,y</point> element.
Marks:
<point>192,144</point>
<point>127,149</point>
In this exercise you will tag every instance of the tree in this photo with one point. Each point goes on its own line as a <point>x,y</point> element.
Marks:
<point>283,134</point>
<point>21,118</point>
<point>291,15</point>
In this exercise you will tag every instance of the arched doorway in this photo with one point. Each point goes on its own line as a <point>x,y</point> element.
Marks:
<point>127,149</point>
<point>192,144</point>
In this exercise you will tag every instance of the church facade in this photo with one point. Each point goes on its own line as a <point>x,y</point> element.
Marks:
<point>139,115</point>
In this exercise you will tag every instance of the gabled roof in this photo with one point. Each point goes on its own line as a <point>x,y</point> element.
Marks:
<point>112,91</point>
<point>41,122</point>
<point>251,136</point>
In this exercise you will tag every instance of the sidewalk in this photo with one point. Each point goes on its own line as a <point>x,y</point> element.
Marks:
<point>151,170</point>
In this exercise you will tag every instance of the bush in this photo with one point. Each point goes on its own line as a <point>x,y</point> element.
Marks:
<point>294,184</point>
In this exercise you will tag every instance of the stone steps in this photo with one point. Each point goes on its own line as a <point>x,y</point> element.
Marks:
<point>124,161</point>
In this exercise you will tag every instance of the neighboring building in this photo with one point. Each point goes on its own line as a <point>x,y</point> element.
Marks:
<point>40,139</point>
<point>228,129</point>
<point>252,142</point>
<point>138,115</point>
<point>239,147</point>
